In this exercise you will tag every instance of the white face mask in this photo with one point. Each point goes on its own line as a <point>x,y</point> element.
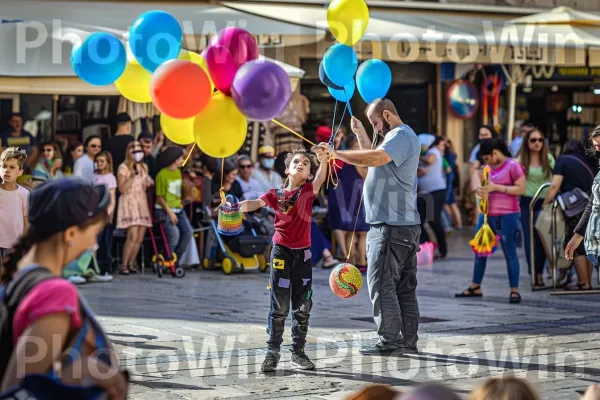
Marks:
<point>138,156</point>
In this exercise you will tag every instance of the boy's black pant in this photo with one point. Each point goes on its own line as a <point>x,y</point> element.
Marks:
<point>291,279</point>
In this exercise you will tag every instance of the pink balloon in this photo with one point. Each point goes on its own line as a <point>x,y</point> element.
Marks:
<point>239,42</point>
<point>221,67</point>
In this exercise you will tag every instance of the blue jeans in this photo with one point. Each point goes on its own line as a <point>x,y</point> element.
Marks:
<point>538,247</point>
<point>178,235</point>
<point>507,226</point>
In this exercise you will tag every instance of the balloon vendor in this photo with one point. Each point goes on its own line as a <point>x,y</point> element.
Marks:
<point>506,183</point>
<point>291,265</point>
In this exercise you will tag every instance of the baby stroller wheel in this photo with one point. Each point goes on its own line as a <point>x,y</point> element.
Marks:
<point>227,266</point>
<point>179,272</point>
<point>262,263</point>
<point>158,269</point>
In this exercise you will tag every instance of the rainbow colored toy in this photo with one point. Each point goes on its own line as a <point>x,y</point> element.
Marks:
<point>230,216</point>
<point>485,242</point>
<point>345,280</point>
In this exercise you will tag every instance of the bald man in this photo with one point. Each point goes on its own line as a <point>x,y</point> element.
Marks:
<point>390,197</point>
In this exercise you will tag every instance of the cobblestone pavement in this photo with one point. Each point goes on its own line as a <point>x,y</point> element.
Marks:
<point>203,337</point>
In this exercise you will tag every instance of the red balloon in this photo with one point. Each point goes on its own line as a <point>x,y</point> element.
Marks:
<point>180,89</point>
<point>240,43</point>
<point>221,67</point>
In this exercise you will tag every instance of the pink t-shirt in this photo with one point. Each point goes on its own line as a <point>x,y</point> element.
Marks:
<point>106,179</point>
<point>49,297</point>
<point>506,174</point>
<point>13,208</point>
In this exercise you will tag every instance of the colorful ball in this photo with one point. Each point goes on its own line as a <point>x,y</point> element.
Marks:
<point>345,280</point>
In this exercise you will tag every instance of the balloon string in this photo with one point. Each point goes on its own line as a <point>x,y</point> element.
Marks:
<point>333,123</point>
<point>373,142</point>
<point>222,190</point>
<point>189,154</point>
<point>293,131</point>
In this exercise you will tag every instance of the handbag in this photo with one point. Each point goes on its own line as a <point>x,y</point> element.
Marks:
<point>573,202</point>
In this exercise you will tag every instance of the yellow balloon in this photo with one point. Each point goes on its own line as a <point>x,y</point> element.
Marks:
<point>134,84</point>
<point>220,128</point>
<point>180,131</point>
<point>348,20</point>
<point>198,60</point>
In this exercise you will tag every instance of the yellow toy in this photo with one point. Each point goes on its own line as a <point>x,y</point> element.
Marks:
<point>485,242</point>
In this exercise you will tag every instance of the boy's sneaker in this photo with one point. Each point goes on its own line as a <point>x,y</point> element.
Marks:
<point>101,278</point>
<point>270,363</point>
<point>300,360</point>
<point>76,279</point>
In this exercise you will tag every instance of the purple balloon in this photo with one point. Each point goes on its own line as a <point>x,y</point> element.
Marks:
<point>261,90</point>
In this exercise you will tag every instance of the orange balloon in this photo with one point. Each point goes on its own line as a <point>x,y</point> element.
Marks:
<point>180,89</point>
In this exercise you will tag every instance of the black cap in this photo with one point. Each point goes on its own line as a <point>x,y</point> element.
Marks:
<point>169,156</point>
<point>123,117</point>
<point>62,203</point>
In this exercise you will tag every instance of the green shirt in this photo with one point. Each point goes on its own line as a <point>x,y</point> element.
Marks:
<point>536,178</point>
<point>168,186</point>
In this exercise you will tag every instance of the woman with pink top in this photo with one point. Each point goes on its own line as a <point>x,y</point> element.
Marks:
<point>506,184</point>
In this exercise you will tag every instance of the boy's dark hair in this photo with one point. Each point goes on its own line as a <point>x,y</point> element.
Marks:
<point>311,157</point>
<point>16,153</point>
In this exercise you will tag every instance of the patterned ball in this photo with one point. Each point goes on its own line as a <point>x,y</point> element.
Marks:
<point>345,280</point>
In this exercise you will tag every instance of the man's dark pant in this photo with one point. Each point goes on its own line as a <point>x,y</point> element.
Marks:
<point>392,279</point>
<point>291,279</point>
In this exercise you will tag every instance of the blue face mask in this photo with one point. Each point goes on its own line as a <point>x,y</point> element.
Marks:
<point>268,163</point>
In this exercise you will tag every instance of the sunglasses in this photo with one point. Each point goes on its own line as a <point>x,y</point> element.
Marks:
<point>95,146</point>
<point>48,150</point>
<point>533,140</point>
<point>246,166</point>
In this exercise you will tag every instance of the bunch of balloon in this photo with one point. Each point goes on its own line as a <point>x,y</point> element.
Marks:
<point>247,88</point>
<point>151,67</point>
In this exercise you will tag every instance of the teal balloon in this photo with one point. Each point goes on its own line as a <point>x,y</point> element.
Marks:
<point>340,63</point>
<point>100,59</point>
<point>344,94</point>
<point>373,79</point>
<point>155,37</point>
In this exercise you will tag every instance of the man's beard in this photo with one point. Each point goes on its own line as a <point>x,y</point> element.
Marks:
<point>386,128</point>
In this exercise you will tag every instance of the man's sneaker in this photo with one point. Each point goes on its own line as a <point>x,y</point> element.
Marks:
<point>375,350</point>
<point>76,279</point>
<point>301,361</point>
<point>101,278</point>
<point>270,363</point>
<point>411,350</point>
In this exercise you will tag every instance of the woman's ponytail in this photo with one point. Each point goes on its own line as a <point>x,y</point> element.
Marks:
<point>13,256</point>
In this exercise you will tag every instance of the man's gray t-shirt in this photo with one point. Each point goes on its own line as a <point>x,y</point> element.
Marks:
<point>391,190</point>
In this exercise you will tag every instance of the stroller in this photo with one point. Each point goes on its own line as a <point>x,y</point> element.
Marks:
<point>242,252</point>
<point>166,262</point>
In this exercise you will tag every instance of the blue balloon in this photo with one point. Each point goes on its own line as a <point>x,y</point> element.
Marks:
<point>373,79</point>
<point>154,38</point>
<point>344,94</point>
<point>100,59</point>
<point>325,79</point>
<point>340,63</point>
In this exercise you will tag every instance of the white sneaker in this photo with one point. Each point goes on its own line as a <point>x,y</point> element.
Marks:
<point>101,278</point>
<point>76,279</point>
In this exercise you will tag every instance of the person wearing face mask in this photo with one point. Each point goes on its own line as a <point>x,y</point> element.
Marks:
<point>65,218</point>
<point>133,211</point>
<point>390,197</point>
<point>263,170</point>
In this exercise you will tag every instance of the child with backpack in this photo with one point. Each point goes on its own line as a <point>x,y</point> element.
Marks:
<point>40,310</point>
<point>13,198</point>
<point>291,265</point>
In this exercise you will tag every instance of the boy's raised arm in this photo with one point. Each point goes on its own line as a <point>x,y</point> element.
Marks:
<point>321,174</point>
<point>251,205</point>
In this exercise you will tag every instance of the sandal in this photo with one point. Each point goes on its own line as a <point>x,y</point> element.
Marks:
<point>515,298</point>
<point>332,263</point>
<point>133,270</point>
<point>470,292</point>
<point>123,271</point>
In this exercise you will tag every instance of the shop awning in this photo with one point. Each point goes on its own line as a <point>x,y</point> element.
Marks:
<point>198,20</point>
<point>45,68</point>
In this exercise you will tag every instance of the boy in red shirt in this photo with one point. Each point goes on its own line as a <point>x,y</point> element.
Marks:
<point>291,266</point>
